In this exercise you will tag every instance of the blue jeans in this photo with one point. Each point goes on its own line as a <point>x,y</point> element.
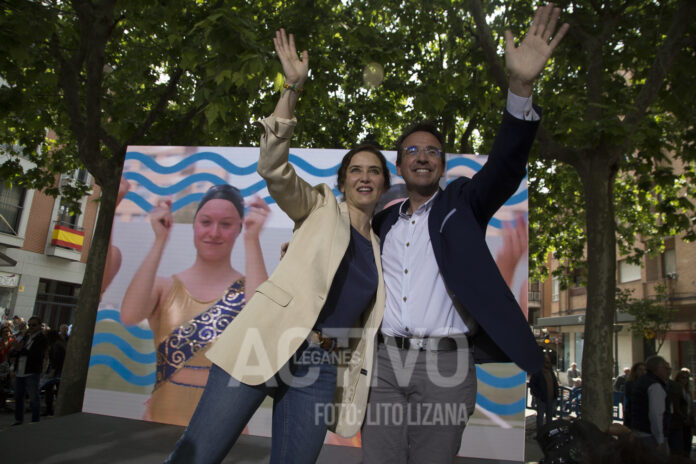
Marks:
<point>30,385</point>
<point>226,406</point>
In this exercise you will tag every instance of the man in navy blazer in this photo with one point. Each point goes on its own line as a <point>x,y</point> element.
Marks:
<point>447,303</point>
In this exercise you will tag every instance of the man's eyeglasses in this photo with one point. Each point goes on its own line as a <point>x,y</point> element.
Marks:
<point>430,151</point>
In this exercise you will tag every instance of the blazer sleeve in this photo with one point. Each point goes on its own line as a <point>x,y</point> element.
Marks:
<point>293,195</point>
<point>500,177</point>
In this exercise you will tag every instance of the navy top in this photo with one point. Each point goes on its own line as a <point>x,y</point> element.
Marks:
<point>352,289</point>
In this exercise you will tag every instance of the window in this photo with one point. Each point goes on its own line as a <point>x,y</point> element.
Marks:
<point>578,283</point>
<point>534,291</point>
<point>555,289</point>
<point>579,346</point>
<point>11,205</point>
<point>669,263</point>
<point>56,302</point>
<point>64,216</point>
<point>628,272</point>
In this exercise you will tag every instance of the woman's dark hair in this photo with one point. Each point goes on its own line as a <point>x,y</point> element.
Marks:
<point>420,126</point>
<point>343,168</point>
<point>223,192</point>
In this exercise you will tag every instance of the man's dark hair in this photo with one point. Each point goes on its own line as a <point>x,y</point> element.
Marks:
<point>420,126</point>
<point>369,147</point>
<point>653,363</point>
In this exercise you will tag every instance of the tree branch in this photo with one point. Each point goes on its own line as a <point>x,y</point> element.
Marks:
<point>485,38</point>
<point>663,61</point>
<point>159,108</point>
<point>186,119</point>
<point>68,81</point>
<point>110,141</point>
<point>464,145</point>
<point>551,150</point>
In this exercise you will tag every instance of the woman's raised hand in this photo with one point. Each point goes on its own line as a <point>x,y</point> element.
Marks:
<point>255,217</point>
<point>161,218</point>
<point>295,70</point>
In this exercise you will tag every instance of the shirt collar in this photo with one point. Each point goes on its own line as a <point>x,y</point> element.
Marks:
<point>425,207</point>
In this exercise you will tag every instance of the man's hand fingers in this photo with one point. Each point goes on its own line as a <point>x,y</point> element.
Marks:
<point>557,38</point>
<point>509,41</point>
<point>550,28</point>
<point>537,21</point>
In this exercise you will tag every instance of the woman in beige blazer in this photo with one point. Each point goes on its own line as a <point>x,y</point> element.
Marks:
<point>288,339</point>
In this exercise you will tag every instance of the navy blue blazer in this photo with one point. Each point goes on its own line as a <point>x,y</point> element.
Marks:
<point>457,224</point>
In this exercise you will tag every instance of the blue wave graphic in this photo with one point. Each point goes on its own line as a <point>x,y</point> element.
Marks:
<point>326,172</point>
<point>466,162</point>
<point>196,197</point>
<point>122,371</point>
<point>124,346</point>
<point>112,314</point>
<point>501,382</point>
<point>216,158</point>
<point>230,167</point>
<point>174,188</point>
<point>500,409</point>
<point>513,200</point>
<point>187,182</point>
<point>310,169</point>
<point>517,198</point>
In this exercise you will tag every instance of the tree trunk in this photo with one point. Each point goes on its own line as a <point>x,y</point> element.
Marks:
<point>597,360</point>
<point>74,377</point>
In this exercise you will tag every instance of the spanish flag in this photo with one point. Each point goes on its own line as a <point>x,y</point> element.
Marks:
<point>68,238</point>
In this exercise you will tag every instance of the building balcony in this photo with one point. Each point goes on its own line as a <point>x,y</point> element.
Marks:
<point>66,241</point>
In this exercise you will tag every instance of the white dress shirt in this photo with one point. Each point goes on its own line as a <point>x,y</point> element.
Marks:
<point>418,303</point>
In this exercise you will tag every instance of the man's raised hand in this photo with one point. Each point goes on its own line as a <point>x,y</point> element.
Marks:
<point>526,61</point>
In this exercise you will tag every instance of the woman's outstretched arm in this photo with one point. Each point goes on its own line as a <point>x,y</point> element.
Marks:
<point>145,290</point>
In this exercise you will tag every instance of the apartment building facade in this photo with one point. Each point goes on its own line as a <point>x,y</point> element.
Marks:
<point>561,313</point>
<point>43,250</point>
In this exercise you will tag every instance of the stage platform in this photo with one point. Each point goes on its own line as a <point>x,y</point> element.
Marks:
<point>94,439</point>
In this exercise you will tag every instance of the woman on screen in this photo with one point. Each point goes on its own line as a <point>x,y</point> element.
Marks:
<point>185,311</point>
<point>287,341</point>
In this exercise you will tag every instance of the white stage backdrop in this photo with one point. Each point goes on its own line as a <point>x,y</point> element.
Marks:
<point>123,361</point>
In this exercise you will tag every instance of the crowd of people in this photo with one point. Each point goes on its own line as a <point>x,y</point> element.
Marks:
<point>31,362</point>
<point>658,408</point>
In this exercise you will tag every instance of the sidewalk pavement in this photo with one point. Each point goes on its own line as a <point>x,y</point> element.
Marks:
<point>91,438</point>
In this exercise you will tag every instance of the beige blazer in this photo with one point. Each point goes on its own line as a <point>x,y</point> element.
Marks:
<point>284,309</point>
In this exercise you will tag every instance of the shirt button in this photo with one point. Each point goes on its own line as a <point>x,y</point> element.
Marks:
<point>408,243</point>
<point>413,222</point>
<point>404,298</point>
<point>405,271</point>
<point>407,329</point>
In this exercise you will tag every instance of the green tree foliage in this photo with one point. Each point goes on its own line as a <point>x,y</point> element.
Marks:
<point>653,316</point>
